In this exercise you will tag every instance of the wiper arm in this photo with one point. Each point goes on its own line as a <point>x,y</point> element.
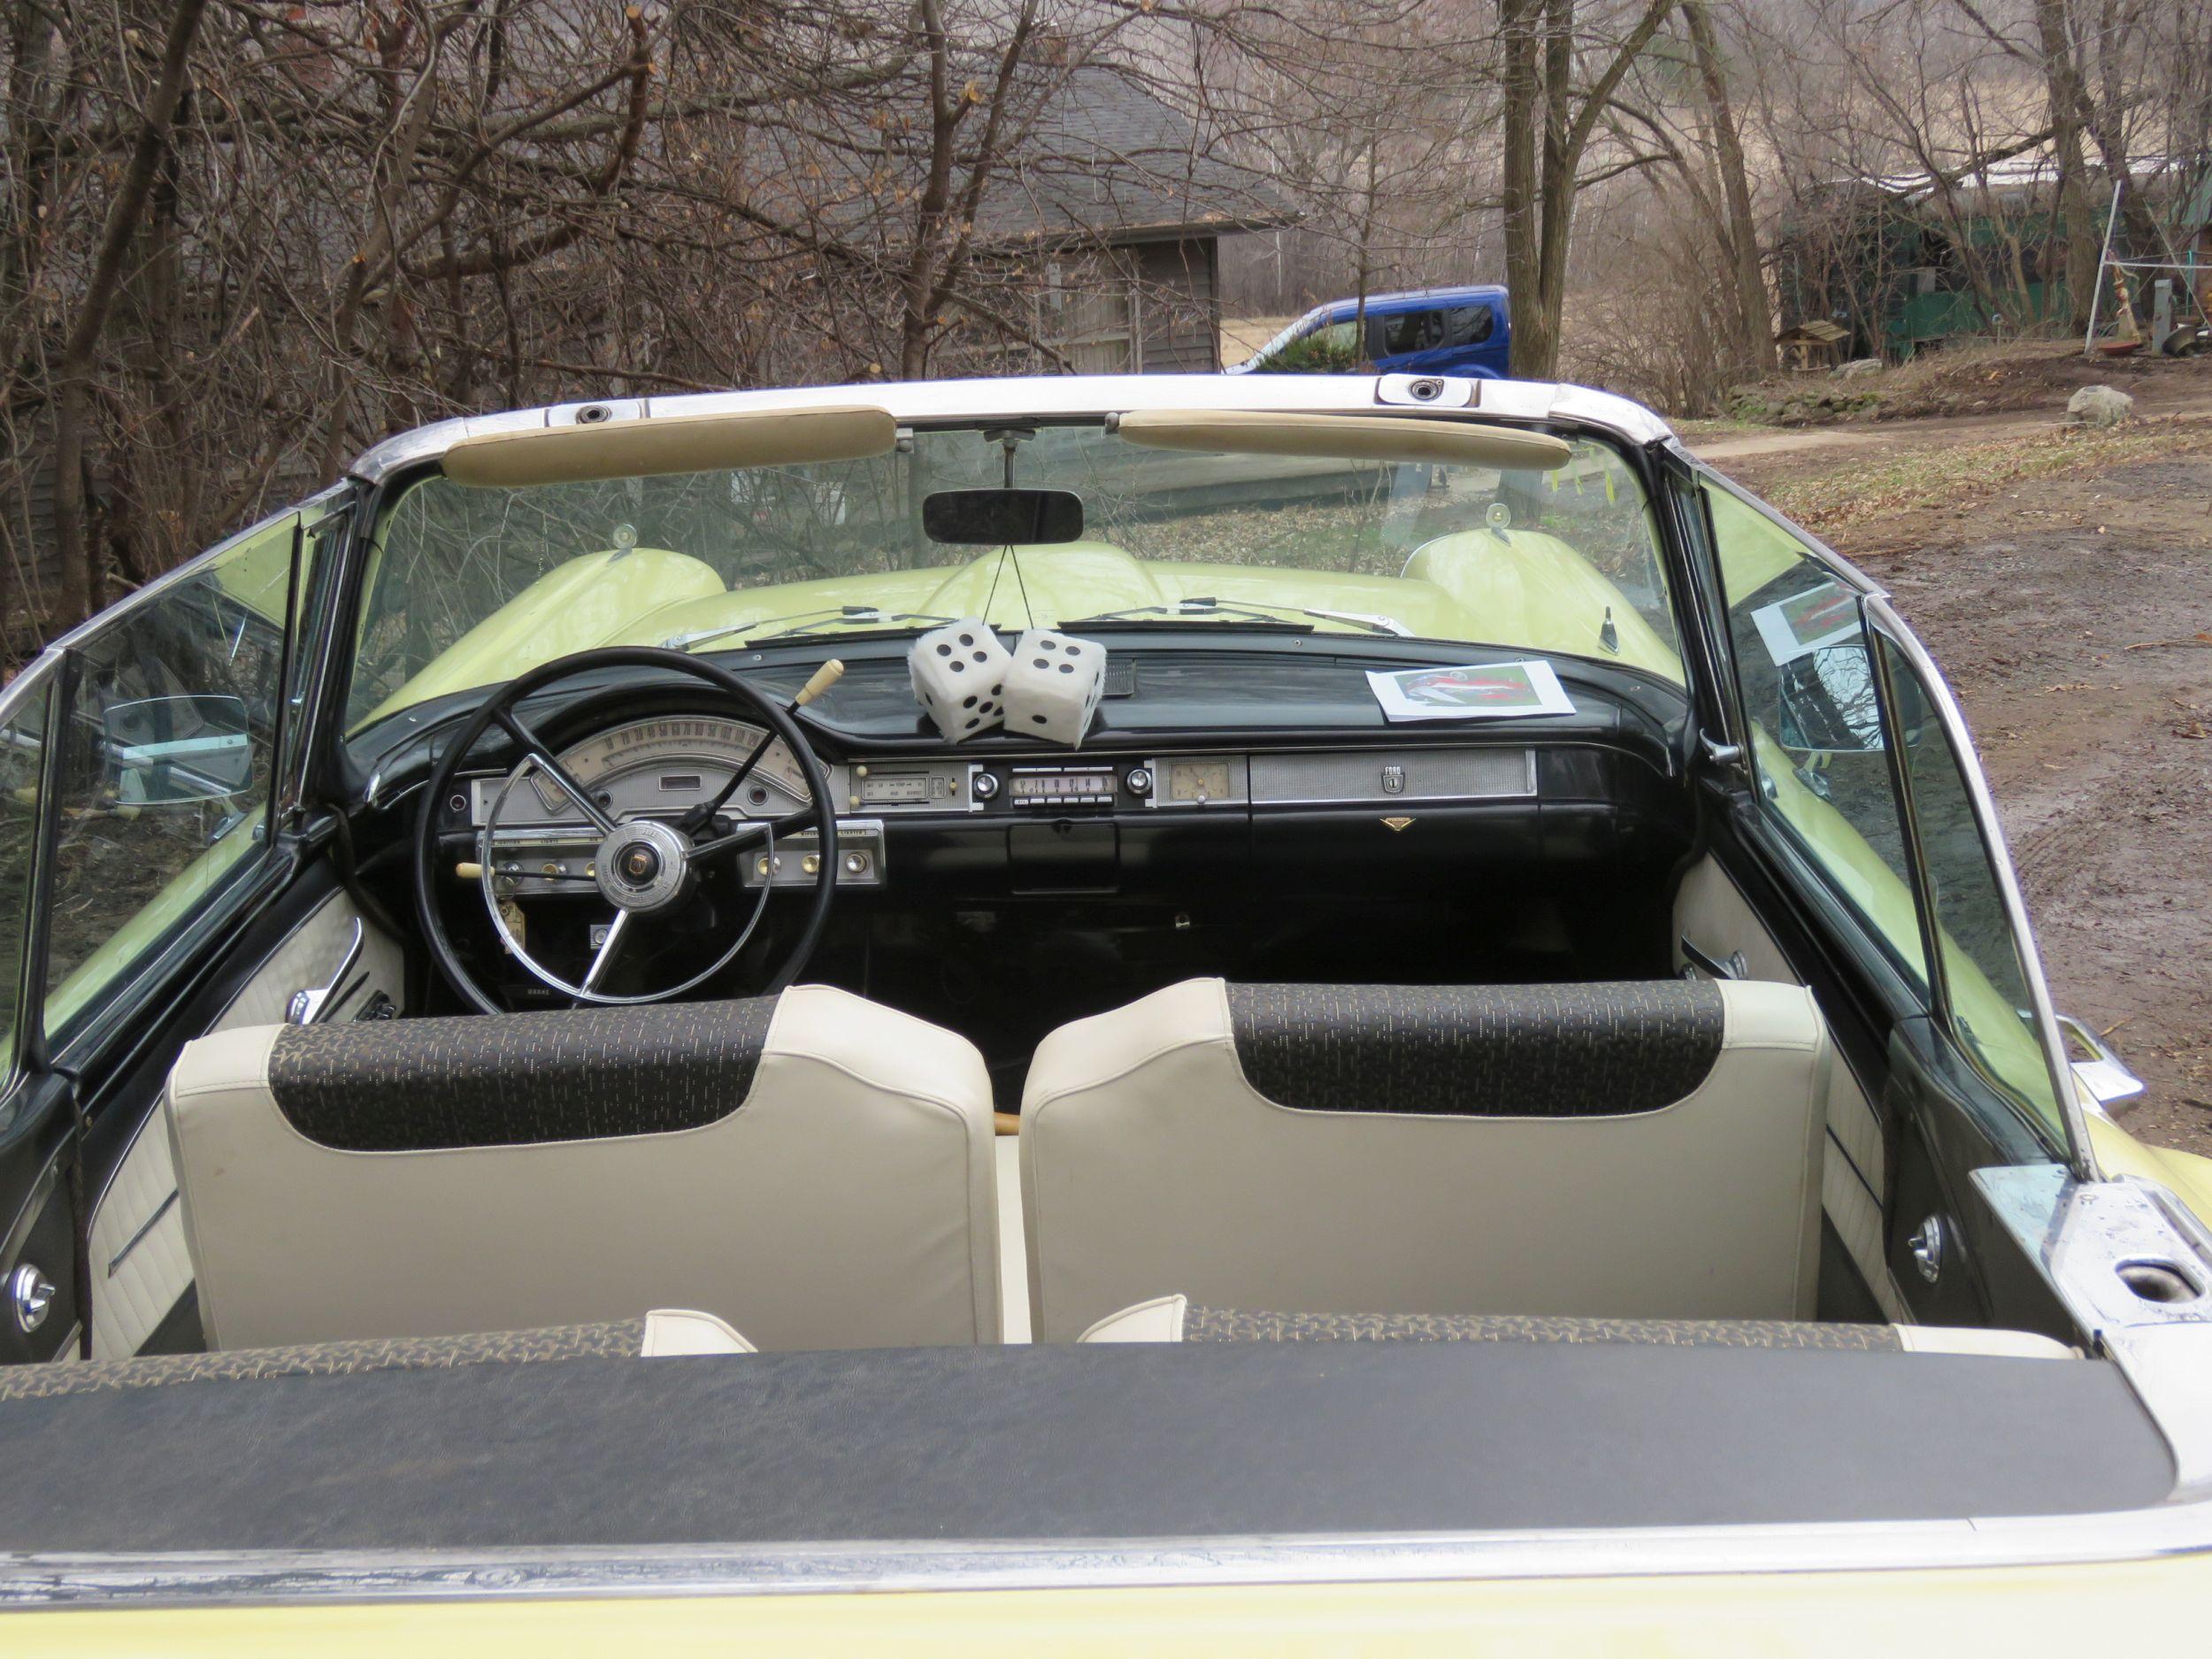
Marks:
<point>803,623</point>
<point>1200,606</point>
<point>1132,622</point>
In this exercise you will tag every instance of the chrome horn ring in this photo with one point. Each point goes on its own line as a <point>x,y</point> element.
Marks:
<point>637,889</point>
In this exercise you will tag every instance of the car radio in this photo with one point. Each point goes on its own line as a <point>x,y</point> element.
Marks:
<point>1089,785</point>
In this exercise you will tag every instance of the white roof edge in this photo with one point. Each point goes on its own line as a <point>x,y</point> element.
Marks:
<point>1049,394</point>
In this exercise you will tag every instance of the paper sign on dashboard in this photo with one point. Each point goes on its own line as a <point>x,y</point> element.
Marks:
<point>1484,691</point>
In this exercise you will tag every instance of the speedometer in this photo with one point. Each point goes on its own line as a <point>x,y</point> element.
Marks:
<point>673,761</point>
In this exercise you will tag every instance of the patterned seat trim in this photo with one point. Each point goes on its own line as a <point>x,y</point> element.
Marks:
<point>1483,1051</point>
<point>620,1339</point>
<point>1231,1324</point>
<point>517,1079</point>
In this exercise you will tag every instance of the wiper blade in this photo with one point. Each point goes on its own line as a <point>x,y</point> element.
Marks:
<point>1199,607</point>
<point>1121,622</point>
<point>805,624</point>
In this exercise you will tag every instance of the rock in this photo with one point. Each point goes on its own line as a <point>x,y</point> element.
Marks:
<point>2100,406</point>
<point>1857,366</point>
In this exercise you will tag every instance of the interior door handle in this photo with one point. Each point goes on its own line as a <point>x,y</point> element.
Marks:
<point>308,1007</point>
<point>1732,966</point>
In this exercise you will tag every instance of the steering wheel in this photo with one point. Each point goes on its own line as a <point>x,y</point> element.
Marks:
<point>645,869</point>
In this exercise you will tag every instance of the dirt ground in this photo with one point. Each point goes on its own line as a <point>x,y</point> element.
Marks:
<point>2065,586</point>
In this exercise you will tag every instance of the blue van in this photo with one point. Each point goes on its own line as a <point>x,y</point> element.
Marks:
<point>1463,331</point>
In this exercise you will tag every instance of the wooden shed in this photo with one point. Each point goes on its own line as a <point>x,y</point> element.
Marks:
<point>1109,222</point>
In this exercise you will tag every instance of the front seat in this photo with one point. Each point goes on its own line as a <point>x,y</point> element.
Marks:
<point>813,1168</point>
<point>1627,1151</point>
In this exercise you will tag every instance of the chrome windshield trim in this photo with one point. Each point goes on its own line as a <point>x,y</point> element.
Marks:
<point>1072,396</point>
<point>245,1578</point>
<point>2082,1155</point>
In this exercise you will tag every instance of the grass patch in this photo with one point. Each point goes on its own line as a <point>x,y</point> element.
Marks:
<point>1950,474</point>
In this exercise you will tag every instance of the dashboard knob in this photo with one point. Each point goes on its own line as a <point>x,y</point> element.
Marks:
<point>1139,779</point>
<point>986,786</point>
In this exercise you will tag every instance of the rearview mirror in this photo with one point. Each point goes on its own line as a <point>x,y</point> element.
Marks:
<point>1828,702</point>
<point>1003,518</point>
<point>167,751</point>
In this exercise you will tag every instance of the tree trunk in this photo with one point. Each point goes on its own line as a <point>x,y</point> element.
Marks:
<point>2077,224</point>
<point>1531,355</point>
<point>72,409</point>
<point>1754,317</point>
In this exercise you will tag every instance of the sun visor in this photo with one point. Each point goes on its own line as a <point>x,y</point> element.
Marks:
<point>647,446</point>
<point>1344,437</point>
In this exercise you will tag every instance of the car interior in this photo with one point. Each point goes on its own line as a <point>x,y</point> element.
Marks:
<point>1249,1016</point>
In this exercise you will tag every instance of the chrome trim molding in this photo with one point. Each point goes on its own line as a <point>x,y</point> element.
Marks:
<point>278,1577</point>
<point>2083,1156</point>
<point>145,1227</point>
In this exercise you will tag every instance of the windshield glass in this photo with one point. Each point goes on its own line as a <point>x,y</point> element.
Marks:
<point>471,586</point>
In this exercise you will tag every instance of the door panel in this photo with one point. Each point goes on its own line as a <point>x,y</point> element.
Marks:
<point>141,1267</point>
<point>1712,915</point>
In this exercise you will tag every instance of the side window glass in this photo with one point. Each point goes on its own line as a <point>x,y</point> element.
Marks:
<point>166,766</point>
<point>1468,326</point>
<point>1818,750</point>
<point>22,753</point>
<point>1986,1000</point>
<point>1412,331</point>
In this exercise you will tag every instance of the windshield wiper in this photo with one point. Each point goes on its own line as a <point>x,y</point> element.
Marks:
<point>804,625</point>
<point>1200,607</point>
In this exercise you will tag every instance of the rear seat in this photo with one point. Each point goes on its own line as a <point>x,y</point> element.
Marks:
<point>663,1333</point>
<point>1173,1319</point>
<point>1627,1151</point>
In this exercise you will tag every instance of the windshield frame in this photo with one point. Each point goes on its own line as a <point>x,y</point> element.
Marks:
<point>1656,550</point>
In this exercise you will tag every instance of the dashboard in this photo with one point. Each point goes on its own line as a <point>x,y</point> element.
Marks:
<point>998,821</point>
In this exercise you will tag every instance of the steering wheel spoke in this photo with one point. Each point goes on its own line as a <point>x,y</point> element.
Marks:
<point>539,754</point>
<point>610,948</point>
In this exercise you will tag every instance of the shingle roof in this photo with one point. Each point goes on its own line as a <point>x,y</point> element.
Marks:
<point>1107,159</point>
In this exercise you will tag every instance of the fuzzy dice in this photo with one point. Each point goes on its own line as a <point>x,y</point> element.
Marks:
<point>959,675</point>
<point>1053,685</point>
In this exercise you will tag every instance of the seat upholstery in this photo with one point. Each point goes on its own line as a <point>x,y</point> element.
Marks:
<point>814,1169</point>
<point>1625,1151</point>
<point>1173,1319</point>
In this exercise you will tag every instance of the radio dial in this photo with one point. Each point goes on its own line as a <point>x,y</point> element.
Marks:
<point>986,786</point>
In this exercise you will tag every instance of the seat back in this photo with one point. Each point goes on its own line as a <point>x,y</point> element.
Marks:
<point>814,1169</point>
<point>1614,1151</point>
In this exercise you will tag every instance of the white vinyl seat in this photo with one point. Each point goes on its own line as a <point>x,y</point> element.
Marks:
<point>813,1170</point>
<point>1641,1151</point>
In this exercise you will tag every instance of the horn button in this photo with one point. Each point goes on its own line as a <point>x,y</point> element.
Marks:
<point>644,867</point>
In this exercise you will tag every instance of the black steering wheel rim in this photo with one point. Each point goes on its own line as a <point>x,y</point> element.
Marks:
<point>774,714</point>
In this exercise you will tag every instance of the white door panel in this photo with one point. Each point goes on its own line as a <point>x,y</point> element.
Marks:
<point>140,1265</point>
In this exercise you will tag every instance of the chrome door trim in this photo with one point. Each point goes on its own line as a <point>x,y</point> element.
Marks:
<point>1883,620</point>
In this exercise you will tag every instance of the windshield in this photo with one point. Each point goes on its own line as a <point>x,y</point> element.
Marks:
<point>471,586</point>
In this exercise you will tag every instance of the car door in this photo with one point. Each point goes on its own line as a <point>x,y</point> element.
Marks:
<point>155,763</point>
<point>1861,798</point>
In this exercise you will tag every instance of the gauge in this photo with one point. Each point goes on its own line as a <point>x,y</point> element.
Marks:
<point>1198,780</point>
<point>671,763</point>
<point>878,787</point>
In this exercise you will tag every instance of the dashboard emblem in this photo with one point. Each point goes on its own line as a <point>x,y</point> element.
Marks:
<point>1394,780</point>
<point>1396,823</point>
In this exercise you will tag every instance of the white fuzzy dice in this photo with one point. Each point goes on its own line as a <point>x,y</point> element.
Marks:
<point>959,675</point>
<point>1053,685</point>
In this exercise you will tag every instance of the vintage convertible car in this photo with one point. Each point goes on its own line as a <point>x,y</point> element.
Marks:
<point>1487,1080</point>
